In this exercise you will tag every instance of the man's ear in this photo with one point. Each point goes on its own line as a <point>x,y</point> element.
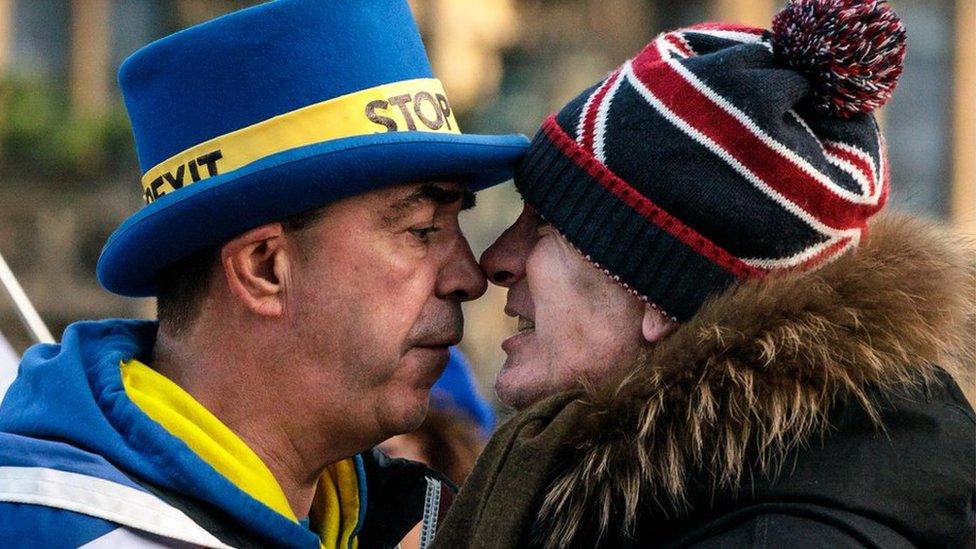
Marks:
<point>656,325</point>
<point>255,265</point>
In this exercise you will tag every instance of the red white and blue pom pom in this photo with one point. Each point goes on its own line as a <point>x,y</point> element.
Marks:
<point>851,50</point>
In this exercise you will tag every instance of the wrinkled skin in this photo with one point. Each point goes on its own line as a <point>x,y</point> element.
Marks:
<point>377,295</point>
<point>576,322</point>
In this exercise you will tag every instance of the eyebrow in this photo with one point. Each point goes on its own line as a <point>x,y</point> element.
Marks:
<point>428,193</point>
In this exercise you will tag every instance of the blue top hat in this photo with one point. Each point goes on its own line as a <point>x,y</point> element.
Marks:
<point>279,109</point>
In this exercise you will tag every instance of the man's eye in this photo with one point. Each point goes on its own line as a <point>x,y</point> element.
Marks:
<point>423,233</point>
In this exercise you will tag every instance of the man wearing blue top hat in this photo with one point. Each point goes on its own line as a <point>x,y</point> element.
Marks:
<point>303,173</point>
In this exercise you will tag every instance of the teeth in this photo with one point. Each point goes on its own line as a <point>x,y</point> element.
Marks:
<point>525,324</point>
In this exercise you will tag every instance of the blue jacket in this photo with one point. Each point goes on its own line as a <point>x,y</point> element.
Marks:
<point>81,463</point>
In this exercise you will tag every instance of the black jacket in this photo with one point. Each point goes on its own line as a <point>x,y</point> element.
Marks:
<point>910,485</point>
<point>797,411</point>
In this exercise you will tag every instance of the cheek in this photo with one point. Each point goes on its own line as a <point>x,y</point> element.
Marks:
<point>353,319</point>
<point>563,286</point>
<point>547,272</point>
<point>584,320</point>
<point>389,290</point>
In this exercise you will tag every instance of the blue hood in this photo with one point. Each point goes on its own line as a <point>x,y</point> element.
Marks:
<point>71,395</point>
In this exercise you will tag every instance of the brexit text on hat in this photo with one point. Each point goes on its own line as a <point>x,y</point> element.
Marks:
<point>177,179</point>
<point>412,105</point>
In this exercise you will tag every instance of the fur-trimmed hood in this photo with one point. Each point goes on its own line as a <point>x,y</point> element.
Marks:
<point>757,373</point>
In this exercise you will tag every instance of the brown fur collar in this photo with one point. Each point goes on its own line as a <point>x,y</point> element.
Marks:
<point>759,366</point>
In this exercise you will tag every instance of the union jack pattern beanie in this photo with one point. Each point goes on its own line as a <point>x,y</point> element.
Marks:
<point>721,153</point>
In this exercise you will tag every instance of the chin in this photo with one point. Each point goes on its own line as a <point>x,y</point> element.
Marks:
<point>518,394</point>
<point>405,414</point>
<point>426,365</point>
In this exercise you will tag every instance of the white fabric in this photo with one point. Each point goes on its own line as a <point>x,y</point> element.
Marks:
<point>8,365</point>
<point>123,538</point>
<point>432,505</point>
<point>101,498</point>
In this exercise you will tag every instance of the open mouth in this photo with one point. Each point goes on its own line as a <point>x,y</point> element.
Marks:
<point>526,327</point>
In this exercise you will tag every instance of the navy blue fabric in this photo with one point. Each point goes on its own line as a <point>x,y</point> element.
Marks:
<point>72,395</point>
<point>647,258</point>
<point>25,525</point>
<point>569,116</point>
<point>700,187</point>
<point>695,185</point>
<point>853,131</point>
<point>456,389</point>
<point>249,66</point>
<point>748,76</point>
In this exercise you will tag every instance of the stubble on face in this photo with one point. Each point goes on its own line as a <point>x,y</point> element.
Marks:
<point>585,325</point>
<point>365,303</point>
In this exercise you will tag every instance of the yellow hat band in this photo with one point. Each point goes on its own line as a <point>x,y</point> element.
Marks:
<point>409,105</point>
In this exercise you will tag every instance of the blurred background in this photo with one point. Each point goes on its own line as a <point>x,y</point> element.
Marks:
<point>68,172</point>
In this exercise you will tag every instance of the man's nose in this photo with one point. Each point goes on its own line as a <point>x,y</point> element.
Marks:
<point>504,261</point>
<point>461,277</point>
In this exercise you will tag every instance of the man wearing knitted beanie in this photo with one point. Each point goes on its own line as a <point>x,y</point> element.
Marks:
<point>720,343</point>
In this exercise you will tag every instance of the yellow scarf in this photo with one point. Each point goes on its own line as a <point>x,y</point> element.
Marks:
<point>335,510</point>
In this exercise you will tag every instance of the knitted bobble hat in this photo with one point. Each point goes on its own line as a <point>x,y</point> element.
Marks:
<point>721,152</point>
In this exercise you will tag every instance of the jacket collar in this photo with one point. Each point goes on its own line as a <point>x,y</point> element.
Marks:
<point>756,371</point>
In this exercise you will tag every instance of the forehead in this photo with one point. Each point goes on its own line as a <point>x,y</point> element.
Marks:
<point>396,203</point>
<point>382,207</point>
<point>405,195</point>
<point>359,219</point>
<point>553,257</point>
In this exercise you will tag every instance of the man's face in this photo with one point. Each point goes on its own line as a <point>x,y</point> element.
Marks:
<point>376,300</point>
<point>573,320</point>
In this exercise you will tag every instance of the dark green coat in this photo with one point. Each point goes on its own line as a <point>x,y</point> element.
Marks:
<point>798,411</point>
